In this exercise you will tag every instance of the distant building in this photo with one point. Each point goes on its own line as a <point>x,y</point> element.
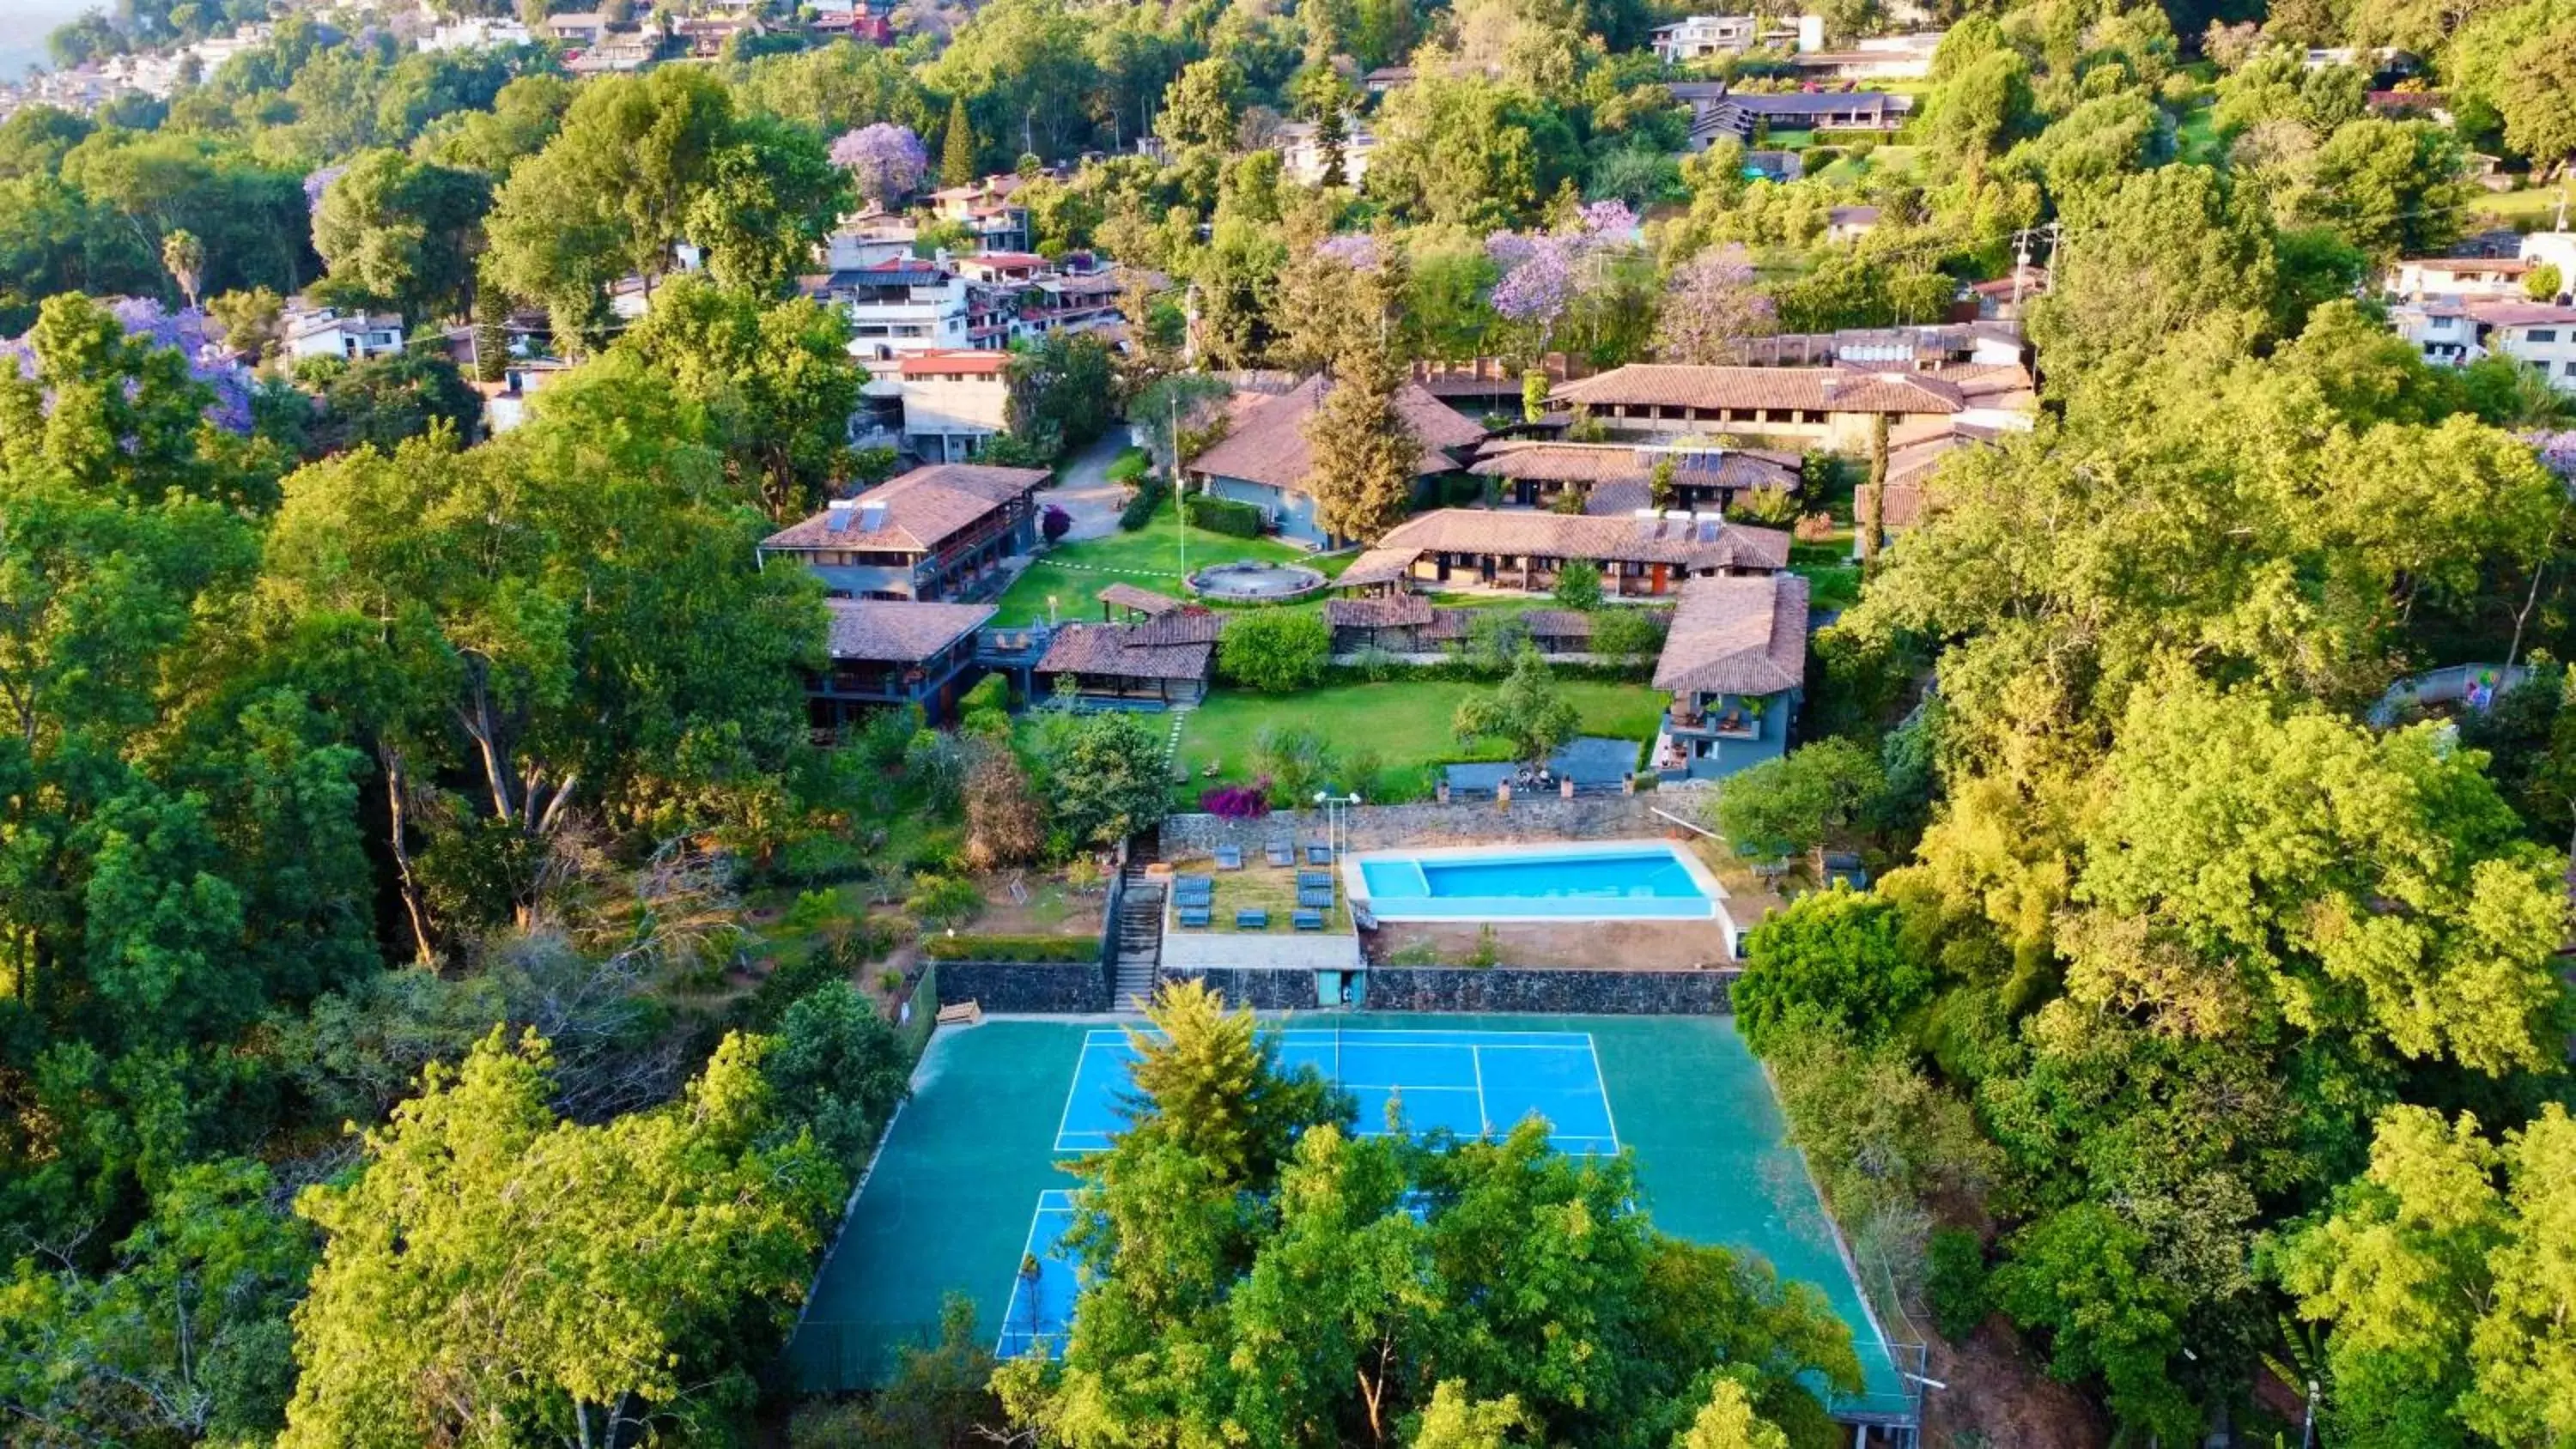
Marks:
<point>1616,479</point>
<point>2453,333</point>
<point>1742,114</point>
<point>2424,278</point>
<point>1643,555</point>
<point>1885,57</point>
<point>1702,37</point>
<point>1163,660</point>
<point>505,403</point>
<point>1303,156</point>
<point>1832,407</point>
<point>953,403</point>
<point>936,533</point>
<point>897,306</point>
<point>1850,223</point>
<point>477,32</point>
<point>312,331</point>
<point>997,223</point>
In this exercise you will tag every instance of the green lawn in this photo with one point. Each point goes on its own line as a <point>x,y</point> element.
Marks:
<point>1073,574</point>
<point>2195,135</point>
<point>1406,723</point>
<point>2532,203</point>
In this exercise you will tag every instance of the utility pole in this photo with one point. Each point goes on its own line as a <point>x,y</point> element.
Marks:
<point>2021,265</point>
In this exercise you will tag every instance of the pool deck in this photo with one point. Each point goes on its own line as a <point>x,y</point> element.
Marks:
<point>1545,910</point>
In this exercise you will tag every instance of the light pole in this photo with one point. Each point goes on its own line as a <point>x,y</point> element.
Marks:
<point>1330,803</point>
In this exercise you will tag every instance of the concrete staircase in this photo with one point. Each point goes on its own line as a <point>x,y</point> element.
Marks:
<point>1140,926</point>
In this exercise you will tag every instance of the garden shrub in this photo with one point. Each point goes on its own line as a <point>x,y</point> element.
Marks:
<point>1054,524</point>
<point>816,858</point>
<point>1031,949</point>
<point>1955,1290</point>
<point>1128,466</point>
<point>1224,515</point>
<point>1237,802</point>
<point>1275,650</point>
<point>1140,510</point>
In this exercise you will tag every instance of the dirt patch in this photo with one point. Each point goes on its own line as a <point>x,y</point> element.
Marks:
<point>1579,945</point>
<point>2001,1395</point>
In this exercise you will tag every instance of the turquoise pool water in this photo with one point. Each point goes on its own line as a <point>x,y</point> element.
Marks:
<point>1646,880</point>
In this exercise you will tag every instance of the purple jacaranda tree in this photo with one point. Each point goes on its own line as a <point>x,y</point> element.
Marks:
<point>885,161</point>
<point>1544,272</point>
<point>2557,453</point>
<point>318,181</point>
<point>1710,306</point>
<point>184,332</point>
<point>1356,250</point>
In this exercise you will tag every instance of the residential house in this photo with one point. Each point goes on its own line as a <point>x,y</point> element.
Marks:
<point>997,222</point>
<point>2403,105</point>
<point>2418,279</point>
<point>1392,621</point>
<point>313,331</point>
<point>505,403</point>
<point>953,402</point>
<point>2002,299</point>
<point>898,306</point>
<point>1742,114</point>
<point>1304,158</point>
<point>1927,347</point>
<point>1386,78</point>
<point>2453,333</point>
<point>937,533</point>
<point>1264,458</point>
<point>476,32</point>
<point>891,652</point>
<point>1069,301</point>
<point>1915,450</point>
<point>2556,248</point>
<point>1485,386</point>
<point>1642,555</point>
<point>703,37</point>
<point>1616,479</point>
<point>1884,57</point>
<point>1150,664</point>
<point>575,27</point>
<point>1832,407</point>
<point>857,25</point>
<point>1850,223</point>
<point>867,239</point>
<point>1700,37</point>
<point>1735,663</point>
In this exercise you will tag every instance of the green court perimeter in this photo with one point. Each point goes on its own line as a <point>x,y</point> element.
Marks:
<point>950,1202</point>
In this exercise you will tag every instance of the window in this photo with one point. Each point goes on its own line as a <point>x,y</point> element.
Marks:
<point>2544,334</point>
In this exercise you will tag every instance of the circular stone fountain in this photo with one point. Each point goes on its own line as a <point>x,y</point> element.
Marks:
<point>1256,582</point>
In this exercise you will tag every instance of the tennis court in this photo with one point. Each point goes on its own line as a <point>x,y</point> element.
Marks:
<point>970,1194</point>
<point>1467,1082</point>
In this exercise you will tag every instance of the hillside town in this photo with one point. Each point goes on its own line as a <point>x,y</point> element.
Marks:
<point>1430,723</point>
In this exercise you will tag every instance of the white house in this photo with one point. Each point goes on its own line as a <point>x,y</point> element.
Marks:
<point>2553,248</point>
<point>2484,278</point>
<point>1883,57</point>
<point>898,306</point>
<point>1698,37</point>
<point>505,403</point>
<point>477,32</point>
<point>1303,157</point>
<point>866,241</point>
<point>953,403</point>
<point>2451,332</point>
<point>334,332</point>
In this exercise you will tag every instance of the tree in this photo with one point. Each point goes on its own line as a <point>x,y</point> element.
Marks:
<point>1199,108</point>
<point>380,401</point>
<point>1727,1421</point>
<point>1276,651</point>
<point>185,258</point>
<point>2544,282</point>
<point>958,148</point>
<point>248,321</point>
<point>1525,711</point>
<point>2391,188</point>
<point>1060,391</point>
<point>1834,960</point>
<point>885,161</point>
<point>1787,806</point>
<point>1363,456</point>
<point>770,196</point>
<point>1468,150</point>
<point>402,234</point>
<point>1004,824</point>
<point>1208,1082</point>
<point>491,1268</point>
<point>1710,307</point>
<point>1107,775</point>
<point>2169,253</point>
<point>775,379</point>
<point>2079,1275</point>
<point>1578,584</point>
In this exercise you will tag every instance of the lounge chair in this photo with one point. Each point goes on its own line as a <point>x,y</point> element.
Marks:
<point>1319,900</point>
<point>1252,918</point>
<point>1193,887</point>
<point>1280,852</point>
<point>1309,879</point>
<point>1309,920</point>
<point>1229,857</point>
<point>1194,915</point>
<point>1318,854</point>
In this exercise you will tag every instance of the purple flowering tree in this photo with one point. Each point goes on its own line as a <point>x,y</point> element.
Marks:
<point>318,181</point>
<point>2557,453</point>
<point>183,332</point>
<point>885,161</point>
<point>1710,307</point>
<point>1356,250</point>
<point>1544,273</point>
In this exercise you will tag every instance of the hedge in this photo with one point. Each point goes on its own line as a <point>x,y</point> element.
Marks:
<point>1071,950</point>
<point>1225,515</point>
<point>1140,510</point>
<point>1463,671</point>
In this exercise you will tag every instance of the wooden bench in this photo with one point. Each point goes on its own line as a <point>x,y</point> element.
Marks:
<point>964,1013</point>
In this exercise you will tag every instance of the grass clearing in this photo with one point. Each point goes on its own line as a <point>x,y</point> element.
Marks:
<point>1261,887</point>
<point>1404,722</point>
<point>2536,204</point>
<point>1073,574</point>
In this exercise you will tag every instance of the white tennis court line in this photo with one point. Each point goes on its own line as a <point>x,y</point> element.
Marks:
<point>1484,1115</point>
<point>1601,1084</point>
<point>1052,1199</point>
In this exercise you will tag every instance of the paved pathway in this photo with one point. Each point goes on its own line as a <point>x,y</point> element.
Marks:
<point>1086,492</point>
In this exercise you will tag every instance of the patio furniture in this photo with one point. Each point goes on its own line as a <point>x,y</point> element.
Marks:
<point>1229,857</point>
<point>1318,854</point>
<point>1280,852</point>
<point>1309,920</point>
<point>1322,878</point>
<point>1193,887</point>
<point>1194,915</point>
<point>1316,897</point>
<point>1252,918</point>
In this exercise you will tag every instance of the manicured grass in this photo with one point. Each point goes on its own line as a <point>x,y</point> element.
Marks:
<point>2196,134</point>
<point>2532,203</point>
<point>1404,722</point>
<point>1150,558</point>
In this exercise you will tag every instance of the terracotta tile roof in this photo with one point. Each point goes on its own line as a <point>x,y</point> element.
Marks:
<point>1267,444</point>
<point>1708,543</point>
<point>914,513</point>
<point>2521,314</point>
<point>1557,623</point>
<point>1619,463</point>
<point>948,362</point>
<point>1143,601</point>
<point>1175,646</point>
<point>1737,636</point>
<point>1377,566</point>
<point>1394,611</point>
<point>1805,389</point>
<point>899,631</point>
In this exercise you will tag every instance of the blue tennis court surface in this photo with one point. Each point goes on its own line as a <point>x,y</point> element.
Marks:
<point>1043,1291</point>
<point>1468,1082</point>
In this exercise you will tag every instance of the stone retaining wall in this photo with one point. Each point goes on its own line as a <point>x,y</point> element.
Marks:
<point>1386,827</point>
<point>1039,988</point>
<point>1569,993</point>
<point>1260,987</point>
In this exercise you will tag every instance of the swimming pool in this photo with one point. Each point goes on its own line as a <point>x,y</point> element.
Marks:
<point>1588,881</point>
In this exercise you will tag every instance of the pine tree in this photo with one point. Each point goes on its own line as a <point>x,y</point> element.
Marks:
<point>957,149</point>
<point>1364,455</point>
